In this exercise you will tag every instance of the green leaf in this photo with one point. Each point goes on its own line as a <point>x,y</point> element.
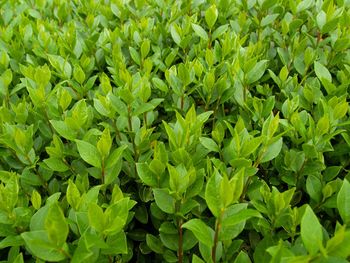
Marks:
<point>96,217</point>
<point>154,243</point>
<point>174,31</point>
<point>135,55</point>
<point>212,194</point>
<point>56,164</point>
<point>196,259</point>
<point>241,216</point>
<point>242,258</point>
<point>56,225</point>
<point>164,200</point>
<point>89,153</point>
<point>211,16</point>
<point>40,246</point>
<point>73,195</point>
<point>322,72</point>
<point>105,143</point>
<point>160,84</point>
<point>209,144</point>
<point>11,241</point>
<point>272,151</point>
<point>219,31</point>
<point>117,244</point>
<point>343,202</point>
<point>200,32</point>
<point>36,199</point>
<point>62,128</point>
<point>115,156</point>
<point>256,72</point>
<point>311,231</point>
<point>146,175</point>
<point>202,232</point>
<point>145,48</point>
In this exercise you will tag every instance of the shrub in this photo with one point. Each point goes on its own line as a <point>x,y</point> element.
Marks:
<point>174,131</point>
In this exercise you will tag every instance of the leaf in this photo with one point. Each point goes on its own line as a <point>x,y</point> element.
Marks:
<point>343,202</point>
<point>115,156</point>
<point>154,243</point>
<point>212,194</point>
<point>209,144</point>
<point>56,164</point>
<point>36,199</point>
<point>73,195</point>
<point>160,84</point>
<point>242,258</point>
<point>268,19</point>
<point>164,200</point>
<point>117,244</point>
<point>322,72</point>
<point>96,217</point>
<point>272,151</point>
<point>196,259</point>
<point>241,216</point>
<point>219,31</point>
<point>202,232</point>
<point>256,72</point>
<point>311,231</point>
<point>11,241</point>
<point>56,225</point>
<point>105,143</point>
<point>200,32</point>
<point>146,175</point>
<point>40,246</point>
<point>175,34</point>
<point>135,55</point>
<point>89,153</point>
<point>62,128</point>
<point>211,16</point>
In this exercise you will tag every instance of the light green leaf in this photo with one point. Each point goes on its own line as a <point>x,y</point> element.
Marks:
<point>200,32</point>
<point>209,144</point>
<point>73,195</point>
<point>36,199</point>
<point>343,201</point>
<point>311,231</point>
<point>146,175</point>
<point>56,225</point>
<point>89,153</point>
<point>272,150</point>
<point>256,72</point>
<point>62,128</point>
<point>211,15</point>
<point>40,246</point>
<point>322,72</point>
<point>96,217</point>
<point>202,232</point>
<point>212,194</point>
<point>164,200</point>
<point>56,164</point>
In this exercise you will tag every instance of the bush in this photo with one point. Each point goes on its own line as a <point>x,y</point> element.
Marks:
<point>174,131</point>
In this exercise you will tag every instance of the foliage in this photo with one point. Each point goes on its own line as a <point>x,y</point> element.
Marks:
<point>174,131</point>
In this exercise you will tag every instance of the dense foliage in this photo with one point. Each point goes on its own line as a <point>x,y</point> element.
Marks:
<point>174,131</point>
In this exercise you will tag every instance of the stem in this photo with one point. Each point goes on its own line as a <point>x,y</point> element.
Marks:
<point>216,236</point>
<point>116,130</point>
<point>136,155</point>
<point>182,102</point>
<point>103,172</point>
<point>145,118</point>
<point>65,253</point>
<point>180,251</point>
<point>256,164</point>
